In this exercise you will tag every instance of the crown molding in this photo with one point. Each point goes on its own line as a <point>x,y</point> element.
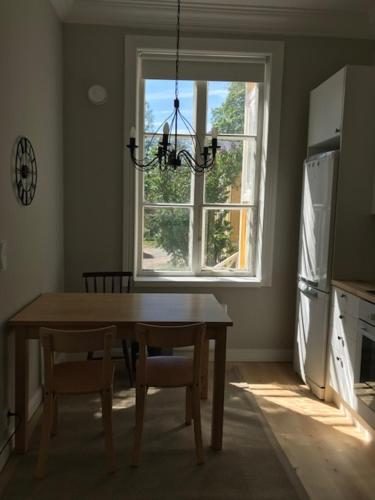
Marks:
<point>236,17</point>
<point>62,7</point>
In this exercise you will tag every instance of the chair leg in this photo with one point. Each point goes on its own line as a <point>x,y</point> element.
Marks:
<point>139,417</point>
<point>196,403</point>
<point>106,397</point>
<point>54,416</point>
<point>125,351</point>
<point>204,369</point>
<point>188,410</point>
<point>134,348</point>
<point>45,436</point>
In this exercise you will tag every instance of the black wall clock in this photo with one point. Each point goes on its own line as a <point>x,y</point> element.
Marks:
<point>25,171</point>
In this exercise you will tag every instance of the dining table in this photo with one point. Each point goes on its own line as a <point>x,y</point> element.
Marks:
<point>80,311</point>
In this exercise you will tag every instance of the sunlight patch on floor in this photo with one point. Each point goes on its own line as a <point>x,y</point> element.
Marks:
<point>124,401</point>
<point>286,399</point>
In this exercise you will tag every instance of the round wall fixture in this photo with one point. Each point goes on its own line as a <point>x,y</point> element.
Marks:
<point>97,94</point>
<point>25,170</point>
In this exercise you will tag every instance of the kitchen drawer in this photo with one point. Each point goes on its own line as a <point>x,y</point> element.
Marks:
<point>344,326</point>
<point>341,371</point>
<point>367,311</point>
<point>366,329</point>
<point>345,303</point>
<point>342,343</point>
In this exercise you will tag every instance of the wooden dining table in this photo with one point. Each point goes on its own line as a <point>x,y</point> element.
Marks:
<point>83,311</point>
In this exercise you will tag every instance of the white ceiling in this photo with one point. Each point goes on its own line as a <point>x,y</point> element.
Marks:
<point>344,18</point>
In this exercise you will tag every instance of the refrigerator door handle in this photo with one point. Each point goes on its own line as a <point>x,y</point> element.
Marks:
<point>311,294</point>
<point>309,282</point>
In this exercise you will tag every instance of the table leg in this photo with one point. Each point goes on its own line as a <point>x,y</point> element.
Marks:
<point>218,392</point>
<point>21,388</point>
<point>204,369</point>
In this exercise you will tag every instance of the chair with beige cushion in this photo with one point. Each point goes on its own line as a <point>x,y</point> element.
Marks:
<point>76,377</point>
<point>169,371</point>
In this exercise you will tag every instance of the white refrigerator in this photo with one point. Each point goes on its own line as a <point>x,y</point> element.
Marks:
<point>314,268</point>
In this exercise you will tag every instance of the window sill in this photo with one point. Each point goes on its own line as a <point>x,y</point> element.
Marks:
<point>202,281</point>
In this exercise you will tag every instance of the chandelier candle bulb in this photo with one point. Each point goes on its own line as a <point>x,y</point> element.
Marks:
<point>166,129</point>
<point>132,133</point>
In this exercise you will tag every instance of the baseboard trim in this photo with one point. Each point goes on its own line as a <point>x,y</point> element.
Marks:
<point>265,355</point>
<point>255,355</point>
<point>34,403</point>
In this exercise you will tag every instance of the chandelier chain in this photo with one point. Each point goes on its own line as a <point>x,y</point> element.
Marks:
<point>177,47</point>
<point>168,156</point>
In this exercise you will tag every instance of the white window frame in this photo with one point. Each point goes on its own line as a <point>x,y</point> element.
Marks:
<point>273,52</point>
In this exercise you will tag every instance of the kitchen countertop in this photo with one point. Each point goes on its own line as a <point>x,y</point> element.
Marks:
<point>358,288</point>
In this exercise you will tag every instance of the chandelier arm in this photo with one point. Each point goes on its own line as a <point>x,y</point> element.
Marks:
<point>140,164</point>
<point>191,130</point>
<point>189,127</point>
<point>157,132</point>
<point>167,156</point>
<point>193,164</point>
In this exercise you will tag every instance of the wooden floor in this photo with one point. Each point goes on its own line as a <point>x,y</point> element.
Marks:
<point>333,458</point>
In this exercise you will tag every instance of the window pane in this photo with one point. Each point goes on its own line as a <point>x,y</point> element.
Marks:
<point>232,179</point>
<point>166,239</point>
<point>232,107</point>
<point>226,107</point>
<point>159,97</point>
<point>227,239</point>
<point>171,186</point>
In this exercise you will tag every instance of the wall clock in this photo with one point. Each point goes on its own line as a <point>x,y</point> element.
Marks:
<point>25,171</point>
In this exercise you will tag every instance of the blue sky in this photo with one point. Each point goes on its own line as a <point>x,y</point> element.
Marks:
<point>160,95</point>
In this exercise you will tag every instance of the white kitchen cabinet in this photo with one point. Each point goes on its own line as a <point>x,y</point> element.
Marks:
<point>352,259</point>
<point>343,345</point>
<point>326,109</point>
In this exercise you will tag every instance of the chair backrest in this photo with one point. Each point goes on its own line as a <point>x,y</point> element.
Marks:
<point>170,336</point>
<point>108,281</point>
<point>77,341</point>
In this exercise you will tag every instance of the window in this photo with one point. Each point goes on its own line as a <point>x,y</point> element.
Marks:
<point>201,224</point>
<point>212,226</point>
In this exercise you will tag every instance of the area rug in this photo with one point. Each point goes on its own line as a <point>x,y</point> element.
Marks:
<point>250,466</point>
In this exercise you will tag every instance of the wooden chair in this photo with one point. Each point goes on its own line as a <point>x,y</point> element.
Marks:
<point>111,282</point>
<point>169,371</point>
<point>76,377</point>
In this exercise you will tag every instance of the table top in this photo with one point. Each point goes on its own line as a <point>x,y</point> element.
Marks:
<point>73,309</point>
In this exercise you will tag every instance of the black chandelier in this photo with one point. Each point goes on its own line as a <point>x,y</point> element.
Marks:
<point>168,157</point>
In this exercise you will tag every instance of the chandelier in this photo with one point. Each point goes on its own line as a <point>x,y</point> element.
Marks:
<point>168,156</point>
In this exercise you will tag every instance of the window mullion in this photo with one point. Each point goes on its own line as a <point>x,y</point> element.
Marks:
<point>200,127</point>
<point>139,197</point>
<point>259,147</point>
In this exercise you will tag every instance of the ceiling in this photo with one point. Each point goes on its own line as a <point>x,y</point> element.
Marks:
<point>337,18</point>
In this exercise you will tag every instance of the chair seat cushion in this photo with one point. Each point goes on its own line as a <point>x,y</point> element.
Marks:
<point>169,371</point>
<point>79,377</point>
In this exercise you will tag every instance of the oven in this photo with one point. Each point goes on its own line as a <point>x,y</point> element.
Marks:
<point>366,351</point>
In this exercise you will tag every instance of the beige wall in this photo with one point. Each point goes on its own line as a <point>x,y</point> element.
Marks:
<point>94,142</point>
<point>31,105</point>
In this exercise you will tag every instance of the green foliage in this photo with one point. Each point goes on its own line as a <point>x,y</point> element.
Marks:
<point>217,190</point>
<point>169,227</point>
<point>228,118</point>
